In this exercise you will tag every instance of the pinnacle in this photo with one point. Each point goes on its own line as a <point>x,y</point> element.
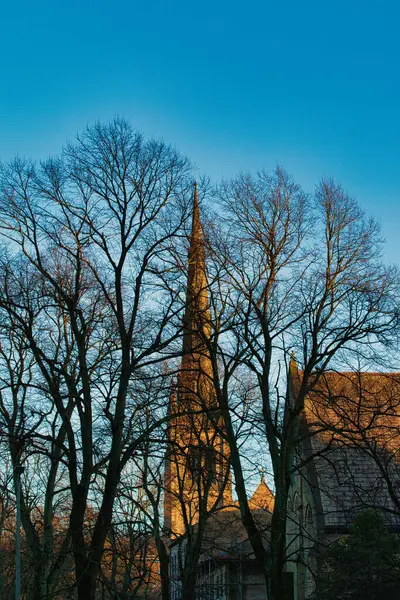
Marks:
<point>196,235</point>
<point>293,368</point>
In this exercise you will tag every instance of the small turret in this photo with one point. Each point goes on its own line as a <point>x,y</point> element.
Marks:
<point>263,496</point>
<point>293,368</point>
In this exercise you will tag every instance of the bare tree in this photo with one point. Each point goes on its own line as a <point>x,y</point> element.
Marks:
<point>83,281</point>
<point>30,432</point>
<point>292,272</point>
<point>130,565</point>
<point>91,305</point>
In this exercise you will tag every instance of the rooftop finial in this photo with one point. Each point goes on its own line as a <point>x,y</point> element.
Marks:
<point>293,368</point>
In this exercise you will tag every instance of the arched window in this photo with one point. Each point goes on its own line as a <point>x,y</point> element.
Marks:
<point>289,526</point>
<point>309,554</point>
<point>309,528</point>
<point>202,462</point>
<point>296,519</point>
<point>210,463</point>
<point>293,528</point>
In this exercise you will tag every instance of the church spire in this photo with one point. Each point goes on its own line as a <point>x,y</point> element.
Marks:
<point>197,234</point>
<point>196,322</point>
<point>197,461</point>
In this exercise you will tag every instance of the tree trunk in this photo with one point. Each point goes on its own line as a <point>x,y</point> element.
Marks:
<point>275,581</point>
<point>189,582</point>
<point>164,568</point>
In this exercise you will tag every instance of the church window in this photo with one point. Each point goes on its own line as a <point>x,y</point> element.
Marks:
<point>194,460</point>
<point>309,525</point>
<point>210,462</point>
<point>309,555</point>
<point>293,527</point>
<point>201,461</point>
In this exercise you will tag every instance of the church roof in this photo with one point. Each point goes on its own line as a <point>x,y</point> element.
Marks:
<point>263,497</point>
<point>351,423</point>
<point>357,410</point>
<point>225,536</point>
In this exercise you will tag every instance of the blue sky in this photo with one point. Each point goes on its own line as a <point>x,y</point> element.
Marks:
<point>314,86</point>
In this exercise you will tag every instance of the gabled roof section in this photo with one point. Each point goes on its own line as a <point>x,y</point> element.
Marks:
<point>351,422</point>
<point>355,406</point>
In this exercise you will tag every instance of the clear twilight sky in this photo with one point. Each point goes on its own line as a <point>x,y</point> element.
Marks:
<point>312,85</point>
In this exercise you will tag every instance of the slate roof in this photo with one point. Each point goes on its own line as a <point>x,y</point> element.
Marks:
<point>351,423</point>
<point>225,536</point>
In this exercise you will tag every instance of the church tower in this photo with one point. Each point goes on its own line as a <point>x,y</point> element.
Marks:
<point>197,477</point>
